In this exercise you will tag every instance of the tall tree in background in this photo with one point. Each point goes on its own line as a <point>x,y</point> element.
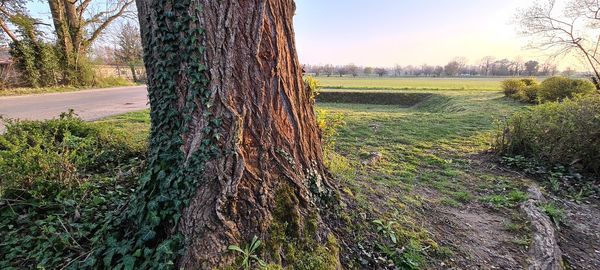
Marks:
<point>34,57</point>
<point>532,67</point>
<point>487,64</point>
<point>129,47</point>
<point>231,123</point>
<point>573,30</point>
<point>381,71</point>
<point>452,69</point>
<point>77,25</point>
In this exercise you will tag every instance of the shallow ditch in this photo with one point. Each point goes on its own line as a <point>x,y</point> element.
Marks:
<point>402,99</point>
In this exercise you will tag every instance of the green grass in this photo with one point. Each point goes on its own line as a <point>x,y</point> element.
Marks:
<point>373,83</point>
<point>430,146</point>
<point>135,124</point>
<point>103,83</point>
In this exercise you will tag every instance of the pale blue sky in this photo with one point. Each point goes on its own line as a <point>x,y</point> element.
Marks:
<point>388,32</point>
<point>405,32</point>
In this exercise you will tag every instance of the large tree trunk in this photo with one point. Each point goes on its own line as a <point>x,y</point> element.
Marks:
<point>243,128</point>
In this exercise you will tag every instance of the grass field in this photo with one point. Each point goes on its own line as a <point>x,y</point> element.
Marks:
<point>103,83</point>
<point>428,161</point>
<point>334,82</point>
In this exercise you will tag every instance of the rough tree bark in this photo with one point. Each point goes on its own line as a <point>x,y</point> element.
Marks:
<point>268,144</point>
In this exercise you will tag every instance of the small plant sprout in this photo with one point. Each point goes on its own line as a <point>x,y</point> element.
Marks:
<point>386,229</point>
<point>248,254</point>
<point>555,214</point>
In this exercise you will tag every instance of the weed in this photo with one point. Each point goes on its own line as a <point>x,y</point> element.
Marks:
<point>449,202</point>
<point>559,179</point>
<point>556,214</point>
<point>511,199</point>
<point>248,254</point>
<point>386,229</point>
<point>59,181</point>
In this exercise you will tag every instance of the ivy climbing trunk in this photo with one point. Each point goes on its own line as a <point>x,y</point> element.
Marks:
<point>233,123</point>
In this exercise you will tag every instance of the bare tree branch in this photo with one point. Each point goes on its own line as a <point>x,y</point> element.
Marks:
<point>124,8</point>
<point>572,32</point>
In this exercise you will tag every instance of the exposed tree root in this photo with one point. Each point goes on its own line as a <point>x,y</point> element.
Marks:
<point>544,251</point>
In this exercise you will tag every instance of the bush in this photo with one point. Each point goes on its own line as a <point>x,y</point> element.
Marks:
<point>524,90</point>
<point>512,87</point>
<point>313,87</point>
<point>528,94</point>
<point>565,134</point>
<point>329,123</point>
<point>560,88</point>
<point>44,157</point>
<point>38,62</point>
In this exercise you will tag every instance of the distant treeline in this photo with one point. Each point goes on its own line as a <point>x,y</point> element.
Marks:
<point>488,66</point>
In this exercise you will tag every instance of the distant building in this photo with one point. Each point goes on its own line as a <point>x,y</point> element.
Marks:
<point>8,74</point>
<point>5,58</point>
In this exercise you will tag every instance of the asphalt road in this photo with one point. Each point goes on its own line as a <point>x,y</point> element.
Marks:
<point>88,104</point>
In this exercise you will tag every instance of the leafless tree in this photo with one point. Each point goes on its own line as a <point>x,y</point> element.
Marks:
<point>438,71</point>
<point>487,64</point>
<point>381,71</point>
<point>548,69</point>
<point>78,24</point>
<point>572,30</point>
<point>518,66</point>
<point>352,69</point>
<point>427,70</point>
<point>129,49</point>
<point>341,70</point>
<point>452,69</point>
<point>397,70</point>
<point>569,72</point>
<point>328,70</point>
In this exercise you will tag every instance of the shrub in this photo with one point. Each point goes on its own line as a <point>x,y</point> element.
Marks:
<point>528,94</point>
<point>329,123</point>
<point>560,88</point>
<point>565,133</point>
<point>512,87</point>
<point>38,62</point>
<point>44,157</point>
<point>313,86</point>
<point>524,90</point>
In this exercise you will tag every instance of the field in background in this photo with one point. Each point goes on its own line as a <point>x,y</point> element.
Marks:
<point>388,83</point>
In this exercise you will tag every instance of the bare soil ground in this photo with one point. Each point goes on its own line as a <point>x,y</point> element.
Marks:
<point>579,238</point>
<point>477,236</point>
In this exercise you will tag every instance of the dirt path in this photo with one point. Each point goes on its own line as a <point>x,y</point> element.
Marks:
<point>477,235</point>
<point>481,236</point>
